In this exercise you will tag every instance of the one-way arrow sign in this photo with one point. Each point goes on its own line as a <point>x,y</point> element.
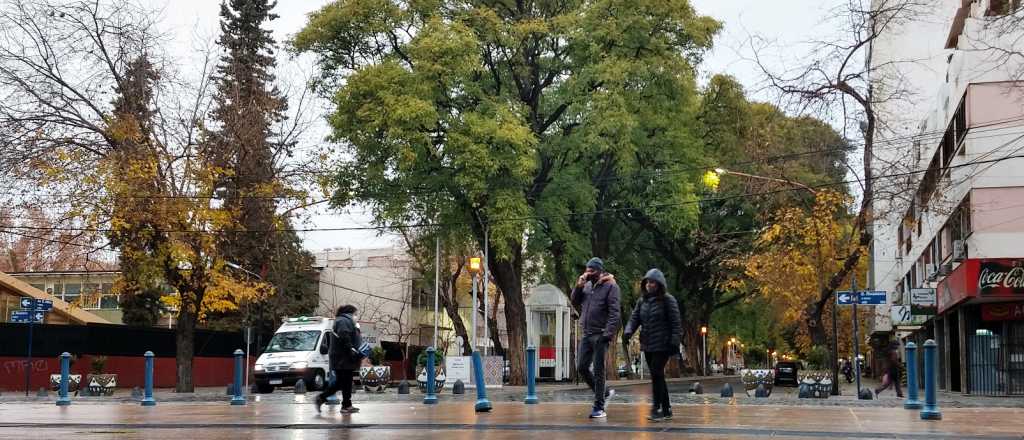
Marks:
<point>845,298</point>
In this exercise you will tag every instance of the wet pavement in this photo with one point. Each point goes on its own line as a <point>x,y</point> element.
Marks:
<point>457,420</point>
<point>630,392</point>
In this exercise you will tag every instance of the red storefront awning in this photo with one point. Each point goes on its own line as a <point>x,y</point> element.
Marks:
<point>982,280</point>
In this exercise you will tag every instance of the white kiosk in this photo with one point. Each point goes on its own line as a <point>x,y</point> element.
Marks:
<point>548,328</point>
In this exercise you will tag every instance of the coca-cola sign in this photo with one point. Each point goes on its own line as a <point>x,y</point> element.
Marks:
<point>1001,278</point>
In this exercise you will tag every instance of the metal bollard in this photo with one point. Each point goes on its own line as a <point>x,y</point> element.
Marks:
<point>147,399</point>
<point>482,404</point>
<point>912,400</point>
<point>65,367</point>
<point>931,407</point>
<point>238,399</point>
<point>431,397</point>
<point>531,375</point>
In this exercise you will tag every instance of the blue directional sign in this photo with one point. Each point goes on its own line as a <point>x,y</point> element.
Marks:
<point>24,316</point>
<point>845,298</point>
<point>872,298</point>
<point>44,305</point>
<point>868,298</point>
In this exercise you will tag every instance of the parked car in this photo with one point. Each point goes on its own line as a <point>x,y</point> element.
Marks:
<point>298,350</point>
<point>787,372</point>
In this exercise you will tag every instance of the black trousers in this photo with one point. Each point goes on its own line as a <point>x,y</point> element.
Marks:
<point>656,361</point>
<point>592,352</point>
<point>342,382</point>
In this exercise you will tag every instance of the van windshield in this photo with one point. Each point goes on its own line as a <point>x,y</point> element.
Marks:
<point>293,341</point>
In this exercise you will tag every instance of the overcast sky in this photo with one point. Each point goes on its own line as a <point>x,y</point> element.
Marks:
<point>785,22</point>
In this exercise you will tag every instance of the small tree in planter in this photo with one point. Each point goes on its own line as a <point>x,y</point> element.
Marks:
<point>375,378</point>
<point>99,383</point>
<point>421,371</point>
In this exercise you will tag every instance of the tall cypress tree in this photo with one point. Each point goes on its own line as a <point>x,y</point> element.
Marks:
<point>244,150</point>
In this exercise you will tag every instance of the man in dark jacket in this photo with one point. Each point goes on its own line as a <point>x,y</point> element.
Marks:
<point>658,313</point>
<point>596,297</point>
<point>344,359</point>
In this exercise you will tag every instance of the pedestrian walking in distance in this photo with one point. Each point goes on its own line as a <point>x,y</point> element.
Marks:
<point>656,315</point>
<point>596,297</point>
<point>892,372</point>
<point>345,358</point>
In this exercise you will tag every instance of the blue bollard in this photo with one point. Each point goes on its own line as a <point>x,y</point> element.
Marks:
<point>912,400</point>
<point>482,404</point>
<point>931,407</point>
<point>237,399</point>
<point>147,399</point>
<point>531,375</point>
<point>431,397</point>
<point>65,367</point>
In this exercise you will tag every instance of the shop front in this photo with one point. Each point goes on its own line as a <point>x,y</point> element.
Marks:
<point>980,328</point>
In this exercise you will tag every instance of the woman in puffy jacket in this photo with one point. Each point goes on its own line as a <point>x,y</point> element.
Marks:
<point>657,313</point>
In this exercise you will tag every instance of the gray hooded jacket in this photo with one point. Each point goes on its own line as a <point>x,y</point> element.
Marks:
<point>659,316</point>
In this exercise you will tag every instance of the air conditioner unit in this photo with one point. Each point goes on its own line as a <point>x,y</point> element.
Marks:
<point>959,250</point>
<point>946,269</point>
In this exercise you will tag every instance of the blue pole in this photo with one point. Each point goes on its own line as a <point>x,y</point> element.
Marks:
<point>482,404</point>
<point>431,397</point>
<point>912,401</point>
<point>147,399</point>
<point>531,375</point>
<point>931,407</point>
<point>65,367</point>
<point>237,399</point>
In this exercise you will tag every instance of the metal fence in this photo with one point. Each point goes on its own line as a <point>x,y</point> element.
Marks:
<point>996,363</point>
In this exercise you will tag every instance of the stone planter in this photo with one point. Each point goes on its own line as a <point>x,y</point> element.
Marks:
<point>375,379</point>
<point>74,382</point>
<point>421,379</point>
<point>753,378</point>
<point>102,384</point>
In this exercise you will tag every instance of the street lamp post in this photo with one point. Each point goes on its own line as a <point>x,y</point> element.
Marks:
<point>248,319</point>
<point>704,349</point>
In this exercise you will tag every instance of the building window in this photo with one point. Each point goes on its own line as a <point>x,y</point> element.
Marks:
<point>108,300</point>
<point>1003,7</point>
<point>39,286</point>
<point>72,291</point>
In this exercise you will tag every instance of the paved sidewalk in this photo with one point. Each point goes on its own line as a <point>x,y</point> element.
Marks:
<point>507,421</point>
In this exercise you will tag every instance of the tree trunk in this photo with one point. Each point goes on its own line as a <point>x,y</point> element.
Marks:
<point>185,337</point>
<point>451,307</point>
<point>492,326</point>
<point>507,275</point>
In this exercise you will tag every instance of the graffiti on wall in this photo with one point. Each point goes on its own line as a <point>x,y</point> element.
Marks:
<point>12,367</point>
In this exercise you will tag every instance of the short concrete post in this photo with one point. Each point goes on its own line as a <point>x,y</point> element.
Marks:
<point>931,407</point>
<point>65,367</point>
<point>912,401</point>
<point>531,375</point>
<point>431,397</point>
<point>238,399</point>
<point>147,399</point>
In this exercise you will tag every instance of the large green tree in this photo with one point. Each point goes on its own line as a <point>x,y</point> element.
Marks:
<point>246,145</point>
<point>512,119</point>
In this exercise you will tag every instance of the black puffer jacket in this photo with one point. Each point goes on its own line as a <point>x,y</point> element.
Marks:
<point>346,339</point>
<point>658,314</point>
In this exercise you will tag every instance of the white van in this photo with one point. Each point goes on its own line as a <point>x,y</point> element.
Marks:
<point>298,350</point>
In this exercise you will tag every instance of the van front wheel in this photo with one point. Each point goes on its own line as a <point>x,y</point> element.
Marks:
<point>264,388</point>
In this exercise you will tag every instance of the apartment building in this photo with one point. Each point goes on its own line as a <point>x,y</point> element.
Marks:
<point>950,250</point>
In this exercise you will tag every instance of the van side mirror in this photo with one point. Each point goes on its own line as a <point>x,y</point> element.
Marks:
<point>324,349</point>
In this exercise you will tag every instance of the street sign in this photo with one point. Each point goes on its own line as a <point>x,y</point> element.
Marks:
<point>845,298</point>
<point>900,315</point>
<point>922,297</point>
<point>44,305</point>
<point>23,316</point>
<point>872,298</point>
